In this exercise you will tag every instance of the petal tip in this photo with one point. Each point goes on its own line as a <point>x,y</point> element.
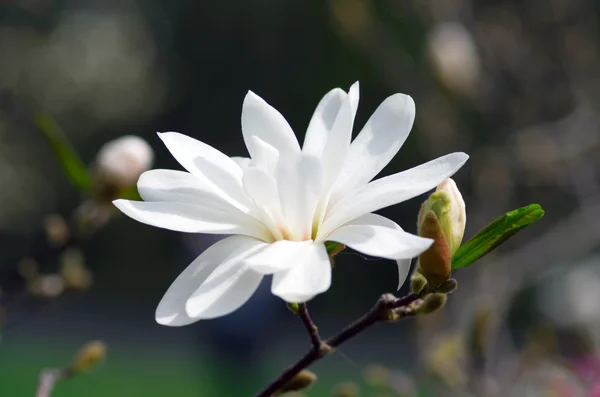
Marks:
<point>168,320</point>
<point>251,95</point>
<point>463,157</point>
<point>427,242</point>
<point>167,135</point>
<point>119,203</point>
<point>409,101</point>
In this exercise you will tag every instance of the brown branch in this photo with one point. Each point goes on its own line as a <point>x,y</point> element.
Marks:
<point>310,326</point>
<point>387,308</point>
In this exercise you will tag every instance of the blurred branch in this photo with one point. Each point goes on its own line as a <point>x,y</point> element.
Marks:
<point>55,261</point>
<point>88,356</point>
<point>60,246</point>
<point>48,379</point>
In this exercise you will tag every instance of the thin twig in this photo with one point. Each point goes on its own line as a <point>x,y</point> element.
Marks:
<point>405,301</point>
<point>310,326</point>
<point>387,308</point>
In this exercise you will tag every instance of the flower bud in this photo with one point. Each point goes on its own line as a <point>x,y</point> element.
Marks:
<point>90,355</point>
<point>447,286</point>
<point>417,282</point>
<point>435,263</point>
<point>57,230</point>
<point>73,271</point>
<point>432,303</point>
<point>293,307</point>
<point>441,218</point>
<point>120,162</point>
<point>454,220</point>
<point>301,381</point>
<point>346,389</point>
<point>377,375</point>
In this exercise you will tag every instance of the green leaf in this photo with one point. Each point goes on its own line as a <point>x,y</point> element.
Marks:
<point>130,193</point>
<point>331,246</point>
<point>70,162</point>
<point>495,234</point>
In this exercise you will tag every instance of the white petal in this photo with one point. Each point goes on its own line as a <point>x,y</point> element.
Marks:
<point>266,155</point>
<point>300,182</point>
<point>262,120</point>
<point>176,186</point>
<point>322,121</point>
<point>225,294</point>
<point>375,235</point>
<point>262,189</point>
<point>330,130</point>
<point>172,308</point>
<point>338,142</point>
<point>209,165</point>
<point>391,190</point>
<point>185,217</point>
<point>278,256</point>
<point>309,275</point>
<point>403,269</point>
<point>376,144</point>
<point>224,291</point>
<point>243,162</point>
<point>354,95</point>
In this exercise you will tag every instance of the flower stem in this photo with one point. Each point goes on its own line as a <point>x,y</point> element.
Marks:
<point>381,312</point>
<point>310,326</point>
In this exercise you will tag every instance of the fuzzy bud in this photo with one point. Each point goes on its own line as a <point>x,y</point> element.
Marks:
<point>432,303</point>
<point>377,375</point>
<point>346,389</point>
<point>447,286</point>
<point>301,381</point>
<point>73,271</point>
<point>120,162</point>
<point>417,282</point>
<point>57,230</point>
<point>90,355</point>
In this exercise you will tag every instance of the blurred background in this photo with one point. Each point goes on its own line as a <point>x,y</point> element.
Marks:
<point>513,83</point>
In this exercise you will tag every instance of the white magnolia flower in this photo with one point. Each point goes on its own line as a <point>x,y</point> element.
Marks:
<point>284,202</point>
<point>121,162</point>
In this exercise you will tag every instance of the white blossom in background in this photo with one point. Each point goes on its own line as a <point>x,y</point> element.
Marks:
<point>283,202</point>
<point>569,296</point>
<point>454,56</point>
<point>121,162</point>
